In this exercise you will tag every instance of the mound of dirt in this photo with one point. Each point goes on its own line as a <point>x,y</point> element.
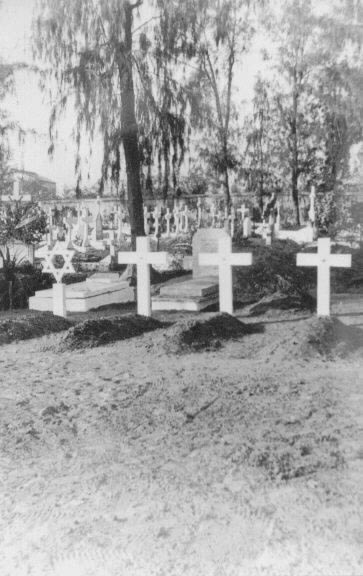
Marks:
<point>331,338</point>
<point>207,333</point>
<point>100,331</point>
<point>26,327</point>
<point>280,301</point>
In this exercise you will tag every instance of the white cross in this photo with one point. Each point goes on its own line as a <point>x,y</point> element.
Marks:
<point>225,259</point>
<point>143,257</point>
<point>324,260</point>
<point>176,214</point>
<point>156,215</point>
<point>168,216</point>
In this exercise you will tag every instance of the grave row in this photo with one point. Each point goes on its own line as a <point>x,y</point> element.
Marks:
<point>224,259</point>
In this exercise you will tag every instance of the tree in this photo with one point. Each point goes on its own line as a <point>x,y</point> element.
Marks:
<point>89,48</point>
<point>6,72</point>
<point>314,114</point>
<point>225,30</point>
<point>24,222</point>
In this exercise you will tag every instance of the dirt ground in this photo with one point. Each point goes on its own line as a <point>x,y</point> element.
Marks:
<point>126,460</point>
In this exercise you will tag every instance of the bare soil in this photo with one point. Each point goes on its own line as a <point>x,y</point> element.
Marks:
<point>137,458</point>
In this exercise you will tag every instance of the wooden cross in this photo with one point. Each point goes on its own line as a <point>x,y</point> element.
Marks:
<point>143,257</point>
<point>324,260</point>
<point>225,259</point>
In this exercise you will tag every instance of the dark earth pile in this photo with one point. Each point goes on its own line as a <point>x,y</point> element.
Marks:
<point>329,337</point>
<point>29,326</point>
<point>206,333</point>
<point>100,331</point>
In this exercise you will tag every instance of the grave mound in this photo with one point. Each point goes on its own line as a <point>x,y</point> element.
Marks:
<point>100,331</point>
<point>193,335</point>
<point>34,326</point>
<point>330,338</point>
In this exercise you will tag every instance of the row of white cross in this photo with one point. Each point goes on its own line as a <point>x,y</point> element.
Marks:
<point>225,259</point>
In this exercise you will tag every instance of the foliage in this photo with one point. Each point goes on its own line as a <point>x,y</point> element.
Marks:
<point>332,213</point>
<point>24,222</point>
<point>273,271</point>
<point>6,72</point>
<point>18,281</point>
<point>226,32</point>
<point>307,109</point>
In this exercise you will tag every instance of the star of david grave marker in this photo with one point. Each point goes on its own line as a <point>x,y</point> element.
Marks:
<point>59,289</point>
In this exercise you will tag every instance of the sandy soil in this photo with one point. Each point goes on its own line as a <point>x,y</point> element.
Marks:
<point>124,460</point>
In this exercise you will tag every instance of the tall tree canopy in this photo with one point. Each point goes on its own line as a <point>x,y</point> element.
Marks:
<point>89,48</point>
<point>6,74</point>
<point>308,108</point>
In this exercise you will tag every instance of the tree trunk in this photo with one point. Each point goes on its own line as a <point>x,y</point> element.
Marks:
<point>295,157</point>
<point>130,131</point>
<point>227,194</point>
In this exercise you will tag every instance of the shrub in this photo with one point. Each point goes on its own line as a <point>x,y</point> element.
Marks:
<point>273,270</point>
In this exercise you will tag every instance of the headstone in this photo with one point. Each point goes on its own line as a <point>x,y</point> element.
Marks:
<point>59,289</point>
<point>242,211</point>
<point>86,219</point>
<point>68,222</point>
<point>156,215</point>
<point>247,226</point>
<point>146,221</point>
<point>206,240</point>
<point>176,214</point>
<point>186,219</point>
<point>168,217</point>
<point>225,259</point>
<point>324,260</point>
<point>99,225</point>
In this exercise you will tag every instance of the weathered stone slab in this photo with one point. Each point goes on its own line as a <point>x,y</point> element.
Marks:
<point>82,296</point>
<point>197,287</point>
<point>206,240</point>
<point>104,278</point>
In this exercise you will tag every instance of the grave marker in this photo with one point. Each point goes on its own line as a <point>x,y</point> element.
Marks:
<point>59,289</point>
<point>225,259</point>
<point>168,216</point>
<point>324,260</point>
<point>206,240</point>
<point>143,258</point>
